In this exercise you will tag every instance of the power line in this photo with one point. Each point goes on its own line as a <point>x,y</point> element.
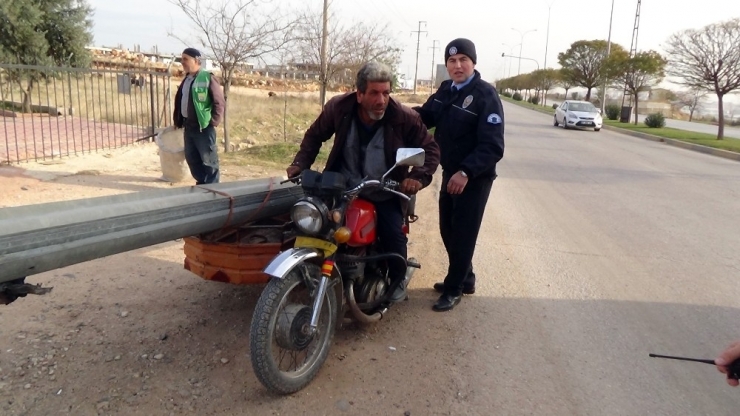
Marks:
<point>418,41</point>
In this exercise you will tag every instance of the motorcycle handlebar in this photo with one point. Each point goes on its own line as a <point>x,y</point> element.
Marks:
<point>388,186</point>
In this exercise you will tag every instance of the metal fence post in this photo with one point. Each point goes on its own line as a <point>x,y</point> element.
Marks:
<point>151,100</point>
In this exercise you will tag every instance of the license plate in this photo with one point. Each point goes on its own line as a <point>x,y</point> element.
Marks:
<point>587,123</point>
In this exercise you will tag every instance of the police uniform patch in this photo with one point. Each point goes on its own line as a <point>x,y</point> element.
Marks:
<point>468,100</point>
<point>494,118</point>
<point>453,51</point>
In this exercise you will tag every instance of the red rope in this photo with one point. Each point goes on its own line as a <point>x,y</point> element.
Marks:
<point>231,202</point>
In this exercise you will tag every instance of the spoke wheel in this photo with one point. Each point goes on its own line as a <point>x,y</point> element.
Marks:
<point>285,354</point>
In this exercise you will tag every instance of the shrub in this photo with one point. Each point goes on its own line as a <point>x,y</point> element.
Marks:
<point>517,96</point>
<point>554,106</point>
<point>506,94</point>
<point>534,99</point>
<point>612,112</point>
<point>574,95</point>
<point>655,120</point>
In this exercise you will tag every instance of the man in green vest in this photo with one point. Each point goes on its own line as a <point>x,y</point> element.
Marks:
<point>199,108</point>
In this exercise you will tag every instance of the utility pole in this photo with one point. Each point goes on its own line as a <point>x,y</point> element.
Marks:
<point>418,41</point>
<point>434,49</point>
<point>324,70</point>
<point>608,51</point>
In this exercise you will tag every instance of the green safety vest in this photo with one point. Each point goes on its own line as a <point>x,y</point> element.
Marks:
<point>201,98</point>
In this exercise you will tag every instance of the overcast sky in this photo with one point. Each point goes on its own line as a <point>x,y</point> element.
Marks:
<point>488,23</point>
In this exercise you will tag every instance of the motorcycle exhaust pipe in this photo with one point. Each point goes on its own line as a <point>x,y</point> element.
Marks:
<point>356,312</point>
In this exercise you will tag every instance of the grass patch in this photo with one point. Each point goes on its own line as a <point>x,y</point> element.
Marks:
<point>260,119</point>
<point>277,155</point>
<point>703,139</point>
<point>536,107</point>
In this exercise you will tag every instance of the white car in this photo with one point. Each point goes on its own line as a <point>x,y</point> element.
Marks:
<point>578,114</point>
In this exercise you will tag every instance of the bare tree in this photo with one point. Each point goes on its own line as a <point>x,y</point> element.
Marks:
<point>708,58</point>
<point>236,31</point>
<point>308,43</point>
<point>691,99</point>
<point>369,43</point>
<point>638,73</point>
<point>348,46</point>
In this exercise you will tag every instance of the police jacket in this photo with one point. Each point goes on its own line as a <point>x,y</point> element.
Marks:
<point>469,127</point>
<point>402,128</point>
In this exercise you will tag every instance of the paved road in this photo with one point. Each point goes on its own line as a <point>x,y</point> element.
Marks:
<point>598,249</point>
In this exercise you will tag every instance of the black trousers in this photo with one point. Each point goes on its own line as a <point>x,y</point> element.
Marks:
<point>202,155</point>
<point>390,232</point>
<point>460,217</point>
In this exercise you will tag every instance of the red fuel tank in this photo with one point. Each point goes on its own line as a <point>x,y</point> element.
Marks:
<point>360,219</point>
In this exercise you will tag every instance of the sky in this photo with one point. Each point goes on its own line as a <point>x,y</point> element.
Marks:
<point>490,24</point>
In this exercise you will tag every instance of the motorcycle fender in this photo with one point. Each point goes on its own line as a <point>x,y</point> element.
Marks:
<point>286,261</point>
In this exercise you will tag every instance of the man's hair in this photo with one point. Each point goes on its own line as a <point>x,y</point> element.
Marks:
<point>373,72</point>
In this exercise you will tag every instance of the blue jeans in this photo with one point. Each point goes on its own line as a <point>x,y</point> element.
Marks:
<point>201,154</point>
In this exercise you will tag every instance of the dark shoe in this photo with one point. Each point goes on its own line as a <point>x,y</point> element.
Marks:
<point>440,287</point>
<point>446,302</point>
<point>399,294</point>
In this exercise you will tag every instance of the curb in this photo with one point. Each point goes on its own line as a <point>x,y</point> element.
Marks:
<point>726,154</point>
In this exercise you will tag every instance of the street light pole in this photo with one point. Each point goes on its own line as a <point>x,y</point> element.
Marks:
<point>511,48</point>
<point>521,44</point>
<point>608,51</point>
<point>547,38</point>
<point>547,43</point>
<point>526,59</point>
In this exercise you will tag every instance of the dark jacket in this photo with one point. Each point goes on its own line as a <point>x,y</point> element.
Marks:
<point>402,128</point>
<point>217,103</point>
<point>469,127</point>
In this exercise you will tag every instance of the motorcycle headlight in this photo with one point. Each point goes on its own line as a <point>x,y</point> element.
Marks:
<point>308,216</point>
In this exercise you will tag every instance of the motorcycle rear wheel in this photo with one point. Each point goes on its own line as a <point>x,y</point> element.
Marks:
<point>284,357</point>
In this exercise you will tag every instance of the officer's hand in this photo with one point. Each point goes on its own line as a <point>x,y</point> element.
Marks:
<point>729,355</point>
<point>456,184</point>
<point>293,171</point>
<point>410,186</point>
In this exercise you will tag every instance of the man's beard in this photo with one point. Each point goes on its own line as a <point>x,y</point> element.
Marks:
<point>374,117</point>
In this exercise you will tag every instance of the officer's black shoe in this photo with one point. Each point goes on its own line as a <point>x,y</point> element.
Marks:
<point>440,287</point>
<point>446,303</point>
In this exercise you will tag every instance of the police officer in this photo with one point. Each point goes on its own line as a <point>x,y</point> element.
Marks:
<point>469,121</point>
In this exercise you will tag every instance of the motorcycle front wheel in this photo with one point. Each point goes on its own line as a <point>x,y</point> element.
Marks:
<point>285,355</point>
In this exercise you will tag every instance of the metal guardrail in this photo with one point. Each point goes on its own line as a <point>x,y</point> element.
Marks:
<point>43,237</point>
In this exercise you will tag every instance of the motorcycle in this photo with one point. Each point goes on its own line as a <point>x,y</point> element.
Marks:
<point>335,263</point>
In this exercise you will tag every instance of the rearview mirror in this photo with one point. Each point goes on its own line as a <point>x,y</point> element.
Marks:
<point>407,156</point>
<point>410,156</point>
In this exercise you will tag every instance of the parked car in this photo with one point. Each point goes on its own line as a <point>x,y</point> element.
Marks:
<point>578,114</point>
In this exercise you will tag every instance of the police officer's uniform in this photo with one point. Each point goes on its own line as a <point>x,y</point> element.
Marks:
<point>470,132</point>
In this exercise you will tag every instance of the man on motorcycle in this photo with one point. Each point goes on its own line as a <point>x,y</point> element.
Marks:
<point>368,127</point>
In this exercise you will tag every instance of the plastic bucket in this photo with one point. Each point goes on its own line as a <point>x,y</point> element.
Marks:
<point>172,154</point>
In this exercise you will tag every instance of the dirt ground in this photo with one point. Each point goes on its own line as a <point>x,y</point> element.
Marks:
<point>136,334</point>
